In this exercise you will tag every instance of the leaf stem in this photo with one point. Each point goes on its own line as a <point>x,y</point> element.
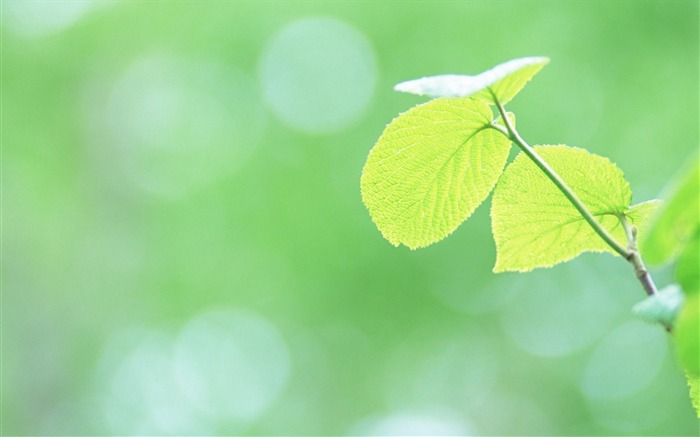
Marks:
<point>513,135</point>
<point>635,258</point>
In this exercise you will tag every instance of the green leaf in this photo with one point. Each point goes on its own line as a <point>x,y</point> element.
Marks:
<point>431,167</point>
<point>686,330</point>
<point>535,225</point>
<point>694,386</point>
<point>504,81</point>
<point>642,214</point>
<point>687,266</point>
<point>661,307</point>
<point>678,221</point>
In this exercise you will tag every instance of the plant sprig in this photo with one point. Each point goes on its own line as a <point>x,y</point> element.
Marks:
<point>631,253</point>
<point>436,163</point>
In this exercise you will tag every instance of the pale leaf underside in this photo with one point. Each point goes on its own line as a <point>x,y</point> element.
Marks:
<point>504,81</point>
<point>661,307</point>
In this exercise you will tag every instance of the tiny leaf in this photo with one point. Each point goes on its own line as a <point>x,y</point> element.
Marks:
<point>431,167</point>
<point>661,307</point>
<point>504,81</point>
<point>678,221</point>
<point>535,225</point>
<point>642,214</point>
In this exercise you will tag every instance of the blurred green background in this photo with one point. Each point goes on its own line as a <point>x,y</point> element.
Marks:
<point>185,250</point>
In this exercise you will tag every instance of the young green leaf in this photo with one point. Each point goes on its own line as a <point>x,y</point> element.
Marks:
<point>678,221</point>
<point>535,225</point>
<point>503,81</point>
<point>642,214</point>
<point>431,167</point>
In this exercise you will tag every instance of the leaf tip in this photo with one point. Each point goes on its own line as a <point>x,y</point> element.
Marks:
<point>506,266</point>
<point>535,60</point>
<point>409,86</point>
<point>444,85</point>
